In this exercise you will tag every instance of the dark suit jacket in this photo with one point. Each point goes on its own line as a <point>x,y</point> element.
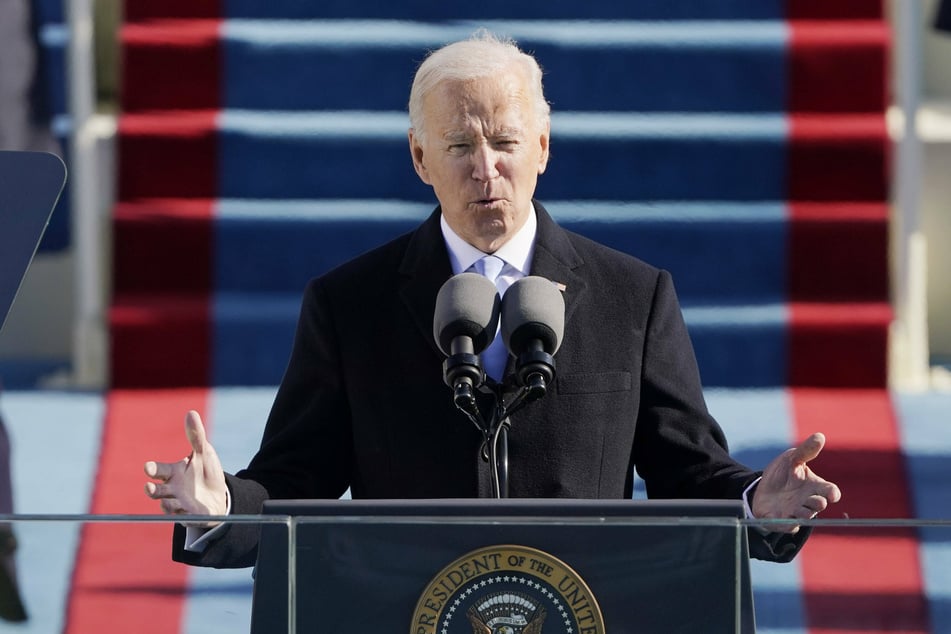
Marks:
<point>363,403</point>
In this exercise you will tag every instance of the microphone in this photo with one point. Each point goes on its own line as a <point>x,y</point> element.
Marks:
<point>533,323</point>
<point>465,322</point>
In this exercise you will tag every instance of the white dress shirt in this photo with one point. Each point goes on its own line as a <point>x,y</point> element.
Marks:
<point>517,256</point>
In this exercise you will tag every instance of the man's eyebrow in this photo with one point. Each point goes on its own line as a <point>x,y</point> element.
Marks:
<point>458,136</point>
<point>455,136</point>
<point>508,132</point>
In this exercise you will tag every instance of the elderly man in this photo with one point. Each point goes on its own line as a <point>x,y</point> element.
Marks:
<point>363,404</point>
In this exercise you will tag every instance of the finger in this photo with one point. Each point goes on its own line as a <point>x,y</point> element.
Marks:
<point>830,492</point>
<point>809,448</point>
<point>159,470</point>
<point>804,513</point>
<point>815,504</point>
<point>158,491</point>
<point>195,432</point>
<point>171,506</point>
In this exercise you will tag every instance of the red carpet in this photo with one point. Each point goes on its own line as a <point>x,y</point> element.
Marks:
<point>839,345</point>
<point>870,579</point>
<point>183,53</point>
<point>163,290</point>
<point>121,575</point>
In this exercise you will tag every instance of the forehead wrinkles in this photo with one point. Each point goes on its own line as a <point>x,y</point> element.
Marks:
<point>500,110</point>
<point>468,126</point>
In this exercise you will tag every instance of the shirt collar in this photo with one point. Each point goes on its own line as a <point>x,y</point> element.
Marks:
<point>517,252</point>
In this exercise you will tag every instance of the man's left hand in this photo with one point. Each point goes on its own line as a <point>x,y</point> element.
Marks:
<point>789,489</point>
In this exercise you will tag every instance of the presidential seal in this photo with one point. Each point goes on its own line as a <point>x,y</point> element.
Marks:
<point>507,590</point>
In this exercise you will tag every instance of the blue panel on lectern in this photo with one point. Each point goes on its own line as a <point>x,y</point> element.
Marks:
<point>617,566</point>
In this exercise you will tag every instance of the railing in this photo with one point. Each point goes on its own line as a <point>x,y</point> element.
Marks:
<point>910,363</point>
<point>114,573</point>
<point>89,351</point>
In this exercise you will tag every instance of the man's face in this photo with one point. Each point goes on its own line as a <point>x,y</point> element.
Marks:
<point>482,152</point>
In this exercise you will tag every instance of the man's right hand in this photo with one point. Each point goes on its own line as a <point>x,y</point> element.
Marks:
<point>195,485</point>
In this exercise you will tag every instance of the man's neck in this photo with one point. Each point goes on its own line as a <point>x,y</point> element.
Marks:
<point>517,251</point>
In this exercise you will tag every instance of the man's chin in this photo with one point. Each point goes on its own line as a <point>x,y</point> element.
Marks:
<point>491,241</point>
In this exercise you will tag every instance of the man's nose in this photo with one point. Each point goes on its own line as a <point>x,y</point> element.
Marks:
<point>485,163</point>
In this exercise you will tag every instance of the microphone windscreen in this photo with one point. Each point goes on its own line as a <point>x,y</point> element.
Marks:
<point>467,305</point>
<point>533,308</point>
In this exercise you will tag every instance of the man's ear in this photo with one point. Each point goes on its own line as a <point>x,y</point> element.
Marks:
<point>416,151</point>
<point>543,140</point>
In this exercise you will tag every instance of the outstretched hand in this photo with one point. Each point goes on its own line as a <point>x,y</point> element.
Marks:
<point>195,485</point>
<point>789,489</point>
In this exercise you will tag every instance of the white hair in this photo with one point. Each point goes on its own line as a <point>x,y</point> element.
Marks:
<point>482,55</point>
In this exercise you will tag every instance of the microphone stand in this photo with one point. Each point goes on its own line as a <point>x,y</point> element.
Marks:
<point>463,369</point>
<point>499,459</point>
<point>495,449</point>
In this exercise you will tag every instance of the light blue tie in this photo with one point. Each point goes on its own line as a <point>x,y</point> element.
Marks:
<point>495,356</point>
<point>490,266</point>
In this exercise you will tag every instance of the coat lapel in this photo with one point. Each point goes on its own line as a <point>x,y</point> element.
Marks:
<point>423,271</point>
<point>557,260</point>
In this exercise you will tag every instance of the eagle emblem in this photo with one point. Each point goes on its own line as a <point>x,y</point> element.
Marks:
<point>506,613</point>
<point>507,589</point>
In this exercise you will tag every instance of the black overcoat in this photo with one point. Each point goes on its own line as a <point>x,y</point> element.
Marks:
<point>363,404</point>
